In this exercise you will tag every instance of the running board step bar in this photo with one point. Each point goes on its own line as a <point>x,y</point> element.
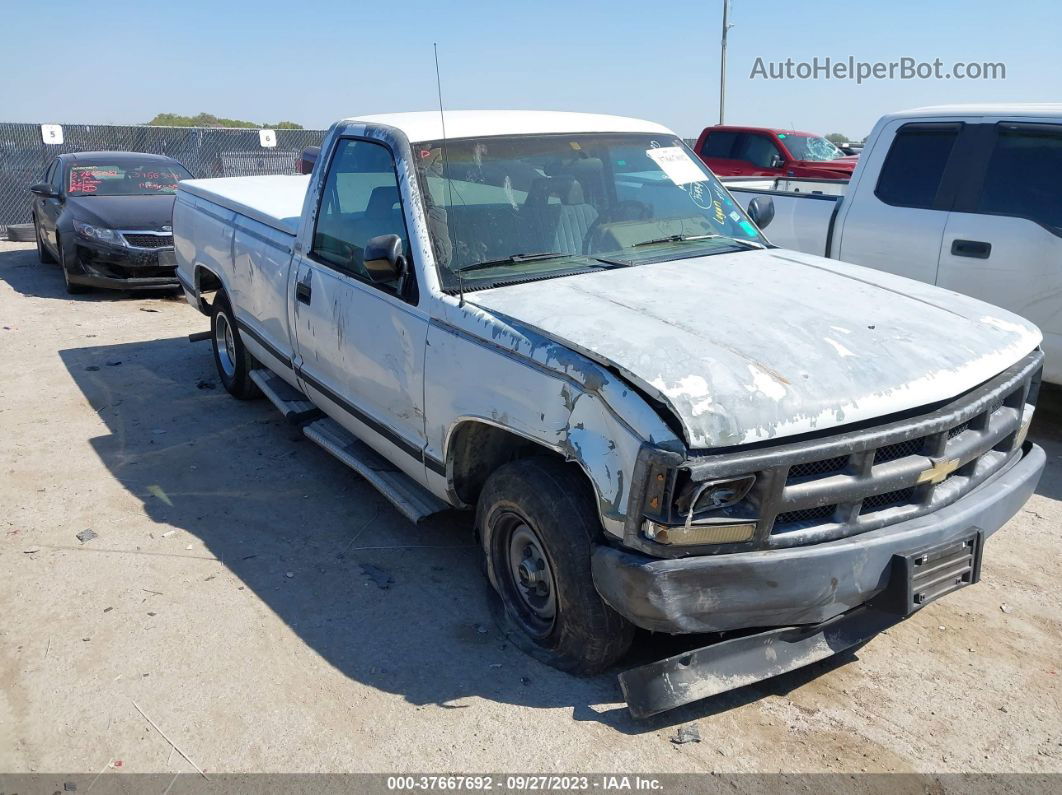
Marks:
<point>294,405</point>
<point>410,498</point>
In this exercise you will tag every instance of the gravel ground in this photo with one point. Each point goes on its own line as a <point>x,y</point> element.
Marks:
<point>270,612</point>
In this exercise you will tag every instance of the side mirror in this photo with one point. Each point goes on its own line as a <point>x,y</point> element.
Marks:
<point>761,211</point>
<point>44,190</point>
<point>383,258</point>
<point>777,161</point>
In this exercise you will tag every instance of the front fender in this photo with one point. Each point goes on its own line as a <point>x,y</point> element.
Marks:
<point>543,392</point>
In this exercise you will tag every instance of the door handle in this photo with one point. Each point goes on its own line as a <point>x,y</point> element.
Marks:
<point>971,248</point>
<point>303,292</point>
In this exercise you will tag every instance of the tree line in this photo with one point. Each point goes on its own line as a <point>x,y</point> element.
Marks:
<point>210,120</point>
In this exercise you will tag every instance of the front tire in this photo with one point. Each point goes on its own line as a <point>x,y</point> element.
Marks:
<point>43,254</point>
<point>71,287</point>
<point>536,521</point>
<point>231,357</point>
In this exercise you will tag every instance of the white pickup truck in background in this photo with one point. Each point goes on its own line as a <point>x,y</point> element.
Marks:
<point>565,323</point>
<point>968,198</point>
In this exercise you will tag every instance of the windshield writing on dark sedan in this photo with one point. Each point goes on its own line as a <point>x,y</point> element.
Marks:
<point>125,180</point>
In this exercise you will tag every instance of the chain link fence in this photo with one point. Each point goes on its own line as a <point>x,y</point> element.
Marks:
<point>206,152</point>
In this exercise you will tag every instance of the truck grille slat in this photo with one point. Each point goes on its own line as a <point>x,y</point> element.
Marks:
<point>918,465</point>
<point>890,499</point>
<point>823,467</point>
<point>894,452</point>
<point>814,515</point>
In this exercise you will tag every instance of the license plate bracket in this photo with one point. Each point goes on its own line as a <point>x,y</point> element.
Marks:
<point>919,578</point>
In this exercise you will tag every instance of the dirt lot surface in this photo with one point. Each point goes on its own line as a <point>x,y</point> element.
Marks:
<point>269,611</point>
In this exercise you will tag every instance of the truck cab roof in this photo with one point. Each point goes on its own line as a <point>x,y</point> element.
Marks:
<point>427,125</point>
<point>1045,110</point>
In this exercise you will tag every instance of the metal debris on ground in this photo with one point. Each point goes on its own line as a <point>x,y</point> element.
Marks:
<point>86,535</point>
<point>31,550</point>
<point>382,579</point>
<point>687,734</point>
<point>1005,607</point>
<point>169,533</point>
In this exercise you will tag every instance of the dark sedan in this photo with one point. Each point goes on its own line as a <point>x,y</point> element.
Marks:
<point>106,218</point>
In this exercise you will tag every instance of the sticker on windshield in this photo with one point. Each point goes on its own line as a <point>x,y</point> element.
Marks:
<point>679,166</point>
<point>700,194</point>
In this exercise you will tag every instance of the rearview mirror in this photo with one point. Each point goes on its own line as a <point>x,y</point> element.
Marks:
<point>383,258</point>
<point>44,190</point>
<point>761,211</point>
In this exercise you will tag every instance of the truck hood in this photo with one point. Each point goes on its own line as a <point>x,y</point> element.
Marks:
<point>756,345</point>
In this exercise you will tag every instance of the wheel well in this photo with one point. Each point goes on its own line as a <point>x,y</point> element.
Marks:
<point>477,449</point>
<point>207,280</point>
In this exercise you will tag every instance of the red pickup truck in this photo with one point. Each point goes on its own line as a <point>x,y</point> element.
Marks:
<point>764,152</point>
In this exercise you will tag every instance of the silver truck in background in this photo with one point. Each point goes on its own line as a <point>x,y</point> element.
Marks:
<point>564,323</point>
<point>966,197</point>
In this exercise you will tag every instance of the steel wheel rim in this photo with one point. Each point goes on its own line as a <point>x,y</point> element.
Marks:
<point>530,577</point>
<point>225,345</point>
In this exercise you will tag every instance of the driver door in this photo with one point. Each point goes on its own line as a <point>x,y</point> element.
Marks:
<point>48,208</point>
<point>360,345</point>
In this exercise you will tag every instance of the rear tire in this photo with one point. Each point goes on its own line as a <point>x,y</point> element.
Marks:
<point>231,357</point>
<point>43,254</point>
<point>536,521</point>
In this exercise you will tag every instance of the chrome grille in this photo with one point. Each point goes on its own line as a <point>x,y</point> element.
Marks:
<point>148,239</point>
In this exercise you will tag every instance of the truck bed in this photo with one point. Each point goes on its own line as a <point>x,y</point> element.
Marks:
<point>275,201</point>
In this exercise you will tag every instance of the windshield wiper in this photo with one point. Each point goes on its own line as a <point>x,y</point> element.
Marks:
<point>673,239</point>
<point>513,259</point>
<point>686,238</point>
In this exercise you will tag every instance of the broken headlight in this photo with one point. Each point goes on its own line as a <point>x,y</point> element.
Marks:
<point>707,512</point>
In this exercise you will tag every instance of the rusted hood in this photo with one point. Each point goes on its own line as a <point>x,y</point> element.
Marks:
<point>761,344</point>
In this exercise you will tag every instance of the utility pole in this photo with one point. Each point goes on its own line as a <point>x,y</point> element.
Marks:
<point>722,61</point>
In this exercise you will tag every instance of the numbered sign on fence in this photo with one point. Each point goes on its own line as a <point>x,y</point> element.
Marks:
<point>52,133</point>
<point>268,138</point>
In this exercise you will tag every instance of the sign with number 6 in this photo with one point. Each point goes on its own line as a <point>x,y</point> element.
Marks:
<point>268,138</point>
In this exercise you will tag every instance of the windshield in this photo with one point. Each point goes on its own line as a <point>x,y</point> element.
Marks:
<point>512,208</point>
<point>127,179</point>
<point>810,147</point>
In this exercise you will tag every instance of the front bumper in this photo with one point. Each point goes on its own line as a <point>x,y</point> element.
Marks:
<point>797,585</point>
<point>116,267</point>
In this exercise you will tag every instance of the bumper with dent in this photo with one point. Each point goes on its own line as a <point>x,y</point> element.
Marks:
<point>797,585</point>
<point>96,264</point>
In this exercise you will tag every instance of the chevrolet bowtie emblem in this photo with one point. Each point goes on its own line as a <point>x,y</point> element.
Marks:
<point>939,471</point>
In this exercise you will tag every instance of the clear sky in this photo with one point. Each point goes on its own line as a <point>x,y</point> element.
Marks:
<point>123,61</point>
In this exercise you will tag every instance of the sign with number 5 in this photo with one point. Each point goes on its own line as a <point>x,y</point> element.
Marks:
<point>52,133</point>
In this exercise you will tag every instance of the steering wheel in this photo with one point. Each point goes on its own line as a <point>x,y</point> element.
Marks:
<point>626,210</point>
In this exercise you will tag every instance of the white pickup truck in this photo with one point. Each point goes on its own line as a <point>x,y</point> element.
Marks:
<point>967,197</point>
<point>566,324</point>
